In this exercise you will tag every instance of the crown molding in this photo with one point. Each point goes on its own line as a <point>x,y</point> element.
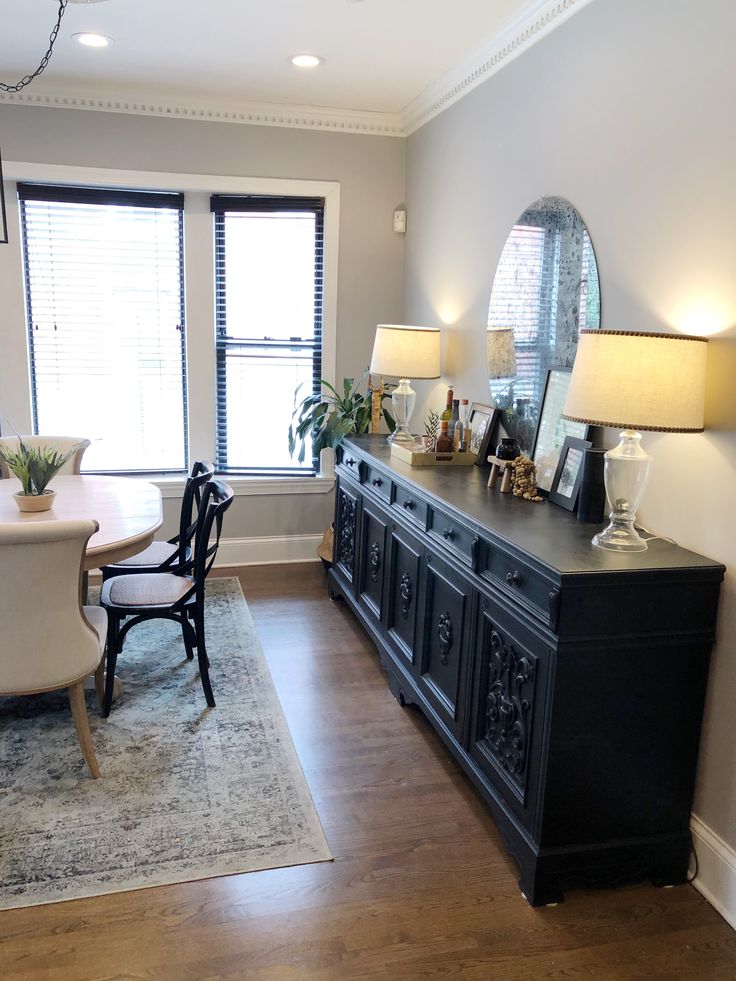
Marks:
<point>537,19</point>
<point>247,113</point>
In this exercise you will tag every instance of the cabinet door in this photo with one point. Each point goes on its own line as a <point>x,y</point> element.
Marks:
<point>373,537</point>
<point>445,642</point>
<point>507,723</point>
<point>346,530</point>
<point>405,554</point>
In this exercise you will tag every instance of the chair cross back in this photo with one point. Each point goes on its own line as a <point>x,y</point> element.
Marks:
<point>216,499</point>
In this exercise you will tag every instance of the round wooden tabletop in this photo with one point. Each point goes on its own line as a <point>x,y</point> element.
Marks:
<point>128,511</point>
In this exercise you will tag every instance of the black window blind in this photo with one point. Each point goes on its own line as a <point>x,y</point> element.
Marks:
<point>269,267</point>
<point>105,303</point>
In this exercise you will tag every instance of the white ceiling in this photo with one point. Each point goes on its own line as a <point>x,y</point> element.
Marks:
<point>380,55</point>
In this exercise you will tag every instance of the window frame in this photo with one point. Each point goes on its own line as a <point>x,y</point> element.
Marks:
<point>15,385</point>
<point>221,206</point>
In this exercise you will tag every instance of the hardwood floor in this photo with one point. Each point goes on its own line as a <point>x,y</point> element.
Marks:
<point>420,887</point>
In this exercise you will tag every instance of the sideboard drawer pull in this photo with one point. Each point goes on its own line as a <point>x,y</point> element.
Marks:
<point>350,462</point>
<point>376,481</point>
<point>409,504</point>
<point>514,578</point>
<point>448,534</point>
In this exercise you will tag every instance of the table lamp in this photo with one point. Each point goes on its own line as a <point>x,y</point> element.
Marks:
<point>403,351</point>
<point>635,381</point>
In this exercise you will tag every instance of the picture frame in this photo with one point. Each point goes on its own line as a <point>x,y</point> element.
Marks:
<point>569,474</point>
<point>552,429</point>
<point>483,424</point>
<point>3,213</point>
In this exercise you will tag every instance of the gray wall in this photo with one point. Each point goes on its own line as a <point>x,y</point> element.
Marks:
<point>370,171</point>
<point>627,110</point>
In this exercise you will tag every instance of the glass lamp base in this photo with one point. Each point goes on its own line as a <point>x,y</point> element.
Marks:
<point>620,536</point>
<point>403,398</point>
<point>626,472</point>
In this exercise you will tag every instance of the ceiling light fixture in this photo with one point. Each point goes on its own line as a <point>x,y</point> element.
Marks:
<point>92,40</point>
<point>306,60</point>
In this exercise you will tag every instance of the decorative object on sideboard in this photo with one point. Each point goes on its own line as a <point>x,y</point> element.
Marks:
<point>416,455</point>
<point>545,289</point>
<point>633,381</point>
<point>483,423</point>
<point>592,495</point>
<point>552,428</point>
<point>569,474</point>
<point>401,351</point>
<point>431,429</point>
<point>508,448</point>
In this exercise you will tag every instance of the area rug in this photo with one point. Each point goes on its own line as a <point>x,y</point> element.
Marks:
<point>186,792</point>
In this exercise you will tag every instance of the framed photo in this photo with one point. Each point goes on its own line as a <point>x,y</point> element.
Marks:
<point>483,419</point>
<point>3,212</point>
<point>569,473</point>
<point>552,429</point>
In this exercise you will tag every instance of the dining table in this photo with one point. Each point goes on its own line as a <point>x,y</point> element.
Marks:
<point>127,509</point>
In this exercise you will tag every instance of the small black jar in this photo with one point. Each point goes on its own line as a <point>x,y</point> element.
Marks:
<point>508,449</point>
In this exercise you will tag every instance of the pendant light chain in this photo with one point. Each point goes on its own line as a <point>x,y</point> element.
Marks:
<point>27,79</point>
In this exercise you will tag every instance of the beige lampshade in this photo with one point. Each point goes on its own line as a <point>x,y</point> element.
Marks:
<point>638,381</point>
<point>501,350</point>
<point>406,352</point>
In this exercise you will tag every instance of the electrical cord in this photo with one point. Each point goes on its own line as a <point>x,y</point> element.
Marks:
<point>655,538</point>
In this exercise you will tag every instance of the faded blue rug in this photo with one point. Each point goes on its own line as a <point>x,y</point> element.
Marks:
<point>186,792</point>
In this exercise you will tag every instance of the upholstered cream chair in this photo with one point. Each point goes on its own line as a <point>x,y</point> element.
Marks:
<point>49,640</point>
<point>62,443</point>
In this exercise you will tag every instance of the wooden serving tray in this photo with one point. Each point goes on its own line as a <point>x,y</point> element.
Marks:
<point>418,458</point>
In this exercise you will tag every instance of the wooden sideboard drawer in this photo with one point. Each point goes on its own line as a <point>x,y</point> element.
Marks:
<point>522,583</point>
<point>346,457</point>
<point>411,505</point>
<point>378,482</point>
<point>456,537</point>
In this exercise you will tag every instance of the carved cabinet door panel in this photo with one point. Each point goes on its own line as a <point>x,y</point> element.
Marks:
<point>374,524</point>
<point>405,555</point>
<point>445,640</point>
<point>346,530</point>
<point>509,693</point>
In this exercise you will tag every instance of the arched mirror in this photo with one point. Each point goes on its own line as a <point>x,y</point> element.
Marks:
<point>545,291</point>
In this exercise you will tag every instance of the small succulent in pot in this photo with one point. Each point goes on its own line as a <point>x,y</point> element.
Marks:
<point>35,467</point>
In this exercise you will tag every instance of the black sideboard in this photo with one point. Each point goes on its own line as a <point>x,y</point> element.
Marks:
<point>567,682</point>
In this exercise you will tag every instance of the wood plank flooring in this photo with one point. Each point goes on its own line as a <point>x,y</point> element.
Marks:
<point>420,888</point>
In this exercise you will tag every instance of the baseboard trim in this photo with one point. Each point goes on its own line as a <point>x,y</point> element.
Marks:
<point>716,878</point>
<point>268,550</point>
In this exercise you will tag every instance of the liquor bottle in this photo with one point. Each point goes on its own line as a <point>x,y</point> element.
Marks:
<point>454,419</point>
<point>444,443</point>
<point>447,414</point>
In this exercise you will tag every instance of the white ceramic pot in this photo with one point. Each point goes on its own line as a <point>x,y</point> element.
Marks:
<point>35,502</point>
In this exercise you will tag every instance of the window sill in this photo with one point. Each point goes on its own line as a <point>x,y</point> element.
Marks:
<point>173,487</point>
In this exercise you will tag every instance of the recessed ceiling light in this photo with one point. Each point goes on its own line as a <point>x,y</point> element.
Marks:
<point>306,60</point>
<point>93,40</point>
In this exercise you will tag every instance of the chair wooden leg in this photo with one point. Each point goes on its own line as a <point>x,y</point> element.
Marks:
<point>81,724</point>
<point>187,632</point>
<point>204,661</point>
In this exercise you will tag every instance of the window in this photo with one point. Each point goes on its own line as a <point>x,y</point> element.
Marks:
<point>269,303</point>
<point>105,305</point>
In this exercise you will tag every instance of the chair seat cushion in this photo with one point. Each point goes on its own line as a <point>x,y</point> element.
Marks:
<point>97,619</point>
<point>155,554</point>
<point>145,589</point>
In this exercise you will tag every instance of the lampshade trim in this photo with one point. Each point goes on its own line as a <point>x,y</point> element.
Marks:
<point>642,333</point>
<point>628,425</point>
<point>426,330</point>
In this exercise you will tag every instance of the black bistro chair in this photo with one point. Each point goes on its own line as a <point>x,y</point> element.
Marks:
<point>177,595</point>
<point>168,556</point>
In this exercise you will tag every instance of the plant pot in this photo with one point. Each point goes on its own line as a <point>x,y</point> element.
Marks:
<point>35,502</point>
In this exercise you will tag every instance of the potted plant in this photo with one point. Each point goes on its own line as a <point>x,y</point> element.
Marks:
<point>35,466</point>
<point>327,418</point>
